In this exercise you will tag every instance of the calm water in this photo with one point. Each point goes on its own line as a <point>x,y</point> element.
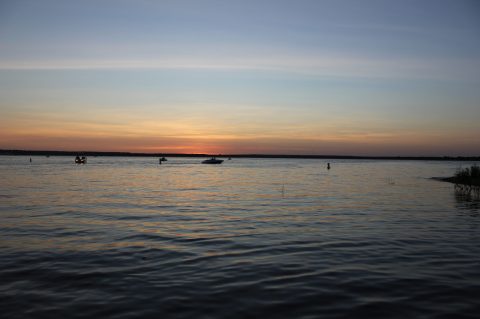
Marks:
<point>251,238</point>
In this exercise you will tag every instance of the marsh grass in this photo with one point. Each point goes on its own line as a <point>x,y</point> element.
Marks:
<point>467,180</point>
<point>468,175</point>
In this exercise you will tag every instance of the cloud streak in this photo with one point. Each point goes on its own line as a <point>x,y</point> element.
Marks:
<point>309,65</point>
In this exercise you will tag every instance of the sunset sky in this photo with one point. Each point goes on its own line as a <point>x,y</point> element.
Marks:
<point>274,77</point>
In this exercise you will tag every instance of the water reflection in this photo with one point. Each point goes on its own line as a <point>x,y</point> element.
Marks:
<point>260,232</point>
<point>468,199</point>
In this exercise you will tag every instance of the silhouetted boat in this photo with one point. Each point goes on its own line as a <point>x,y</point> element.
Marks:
<point>213,160</point>
<point>79,160</point>
<point>163,159</point>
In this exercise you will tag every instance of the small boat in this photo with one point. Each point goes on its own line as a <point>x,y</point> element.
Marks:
<point>79,160</point>
<point>163,159</point>
<point>213,160</point>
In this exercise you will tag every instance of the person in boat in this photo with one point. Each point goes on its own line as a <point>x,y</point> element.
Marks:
<point>328,165</point>
<point>79,160</point>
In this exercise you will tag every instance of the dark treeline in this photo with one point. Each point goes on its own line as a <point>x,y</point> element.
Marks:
<point>90,153</point>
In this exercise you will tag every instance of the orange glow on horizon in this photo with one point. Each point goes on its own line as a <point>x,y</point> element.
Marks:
<point>408,144</point>
<point>201,136</point>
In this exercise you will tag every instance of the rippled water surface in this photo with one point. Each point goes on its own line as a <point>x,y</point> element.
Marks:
<point>251,238</point>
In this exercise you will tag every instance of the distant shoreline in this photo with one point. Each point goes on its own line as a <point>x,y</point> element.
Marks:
<point>132,154</point>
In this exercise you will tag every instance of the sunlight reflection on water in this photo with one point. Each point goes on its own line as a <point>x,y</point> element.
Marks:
<point>252,236</point>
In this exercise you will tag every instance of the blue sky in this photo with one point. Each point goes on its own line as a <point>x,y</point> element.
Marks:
<point>309,77</point>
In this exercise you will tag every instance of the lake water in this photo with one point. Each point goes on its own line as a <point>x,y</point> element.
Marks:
<point>251,238</point>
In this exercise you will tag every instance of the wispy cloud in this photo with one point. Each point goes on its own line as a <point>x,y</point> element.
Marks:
<point>315,65</point>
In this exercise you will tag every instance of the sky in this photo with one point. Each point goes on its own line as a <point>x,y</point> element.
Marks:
<point>339,77</point>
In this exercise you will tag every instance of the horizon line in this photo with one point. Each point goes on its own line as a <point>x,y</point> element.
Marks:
<point>17,152</point>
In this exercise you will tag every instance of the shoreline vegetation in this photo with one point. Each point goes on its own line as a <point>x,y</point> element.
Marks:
<point>467,177</point>
<point>467,182</point>
<point>131,154</point>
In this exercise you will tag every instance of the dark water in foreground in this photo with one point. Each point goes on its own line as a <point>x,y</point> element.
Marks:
<point>252,238</point>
